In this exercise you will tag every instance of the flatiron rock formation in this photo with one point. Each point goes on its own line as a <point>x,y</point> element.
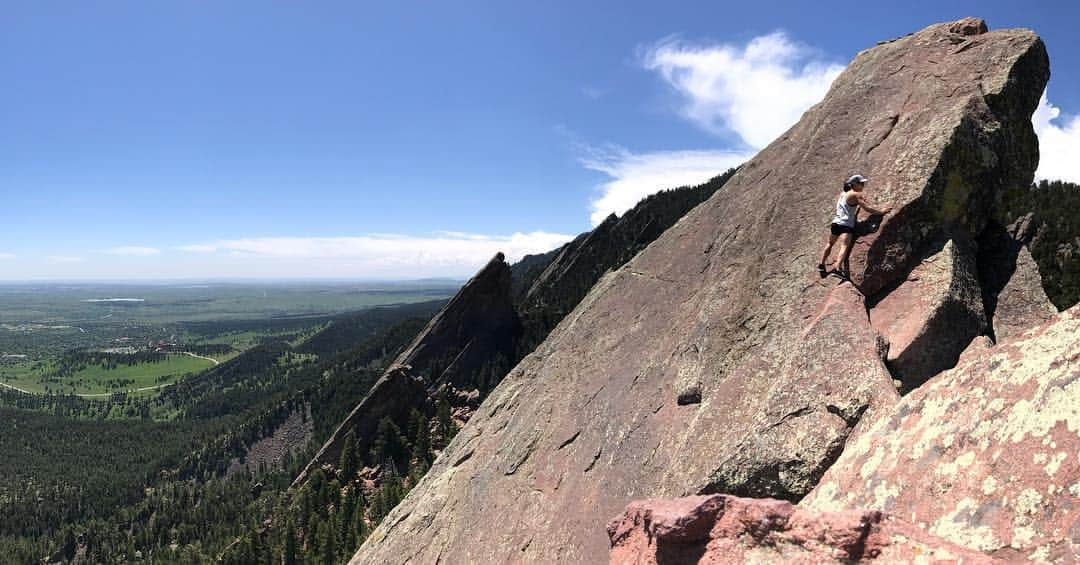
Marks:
<point>716,360</point>
<point>986,455</point>
<point>721,529</point>
<point>478,323</point>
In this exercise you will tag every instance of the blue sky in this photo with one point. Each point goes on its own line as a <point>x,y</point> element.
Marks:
<point>405,139</point>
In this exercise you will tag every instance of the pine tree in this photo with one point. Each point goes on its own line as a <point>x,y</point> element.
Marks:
<point>421,438</point>
<point>328,547</point>
<point>388,443</point>
<point>446,426</point>
<point>291,553</point>
<point>349,460</point>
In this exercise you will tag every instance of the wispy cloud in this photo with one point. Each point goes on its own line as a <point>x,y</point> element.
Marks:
<point>7,256</point>
<point>757,90</point>
<point>592,92</point>
<point>132,251</point>
<point>63,259</point>
<point>634,176</point>
<point>1059,143</point>
<point>387,254</point>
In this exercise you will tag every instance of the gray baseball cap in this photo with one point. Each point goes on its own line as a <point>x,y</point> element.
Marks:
<point>856,179</point>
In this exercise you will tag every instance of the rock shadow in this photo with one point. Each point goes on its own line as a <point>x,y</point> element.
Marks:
<point>674,553</point>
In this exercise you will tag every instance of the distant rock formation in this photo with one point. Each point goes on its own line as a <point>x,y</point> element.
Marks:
<point>716,360</point>
<point>986,455</point>
<point>722,529</point>
<point>477,324</point>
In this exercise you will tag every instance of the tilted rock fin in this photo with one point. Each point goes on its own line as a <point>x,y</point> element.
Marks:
<point>785,364</point>
<point>477,322</point>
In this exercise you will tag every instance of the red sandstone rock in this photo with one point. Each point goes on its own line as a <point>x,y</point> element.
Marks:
<point>727,300</point>
<point>986,455</point>
<point>718,529</point>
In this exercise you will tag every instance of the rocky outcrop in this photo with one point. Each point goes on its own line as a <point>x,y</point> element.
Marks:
<point>720,529</point>
<point>986,455</point>
<point>784,364</point>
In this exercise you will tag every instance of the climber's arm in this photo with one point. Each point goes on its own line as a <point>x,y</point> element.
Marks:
<point>866,206</point>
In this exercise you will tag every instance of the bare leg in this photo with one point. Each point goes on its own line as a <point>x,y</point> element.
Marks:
<point>845,250</point>
<point>828,248</point>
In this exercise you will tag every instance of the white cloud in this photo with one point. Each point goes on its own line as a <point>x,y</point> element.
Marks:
<point>7,256</point>
<point>63,259</point>
<point>1059,143</point>
<point>635,176</point>
<point>756,91</point>
<point>197,248</point>
<point>444,254</point>
<point>132,251</point>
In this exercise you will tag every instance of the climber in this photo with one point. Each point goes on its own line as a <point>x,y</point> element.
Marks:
<point>843,223</point>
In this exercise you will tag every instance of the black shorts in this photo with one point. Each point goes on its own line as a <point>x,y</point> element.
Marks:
<point>838,229</point>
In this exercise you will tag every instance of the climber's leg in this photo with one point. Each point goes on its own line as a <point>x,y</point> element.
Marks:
<point>825,254</point>
<point>845,249</point>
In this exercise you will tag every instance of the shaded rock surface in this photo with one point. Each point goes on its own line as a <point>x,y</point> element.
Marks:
<point>986,455</point>
<point>1012,286</point>
<point>725,529</point>
<point>786,364</point>
<point>932,316</point>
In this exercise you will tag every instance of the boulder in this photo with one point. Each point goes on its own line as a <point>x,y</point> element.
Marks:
<point>986,455</point>
<point>711,530</point>
<point>786,364</point>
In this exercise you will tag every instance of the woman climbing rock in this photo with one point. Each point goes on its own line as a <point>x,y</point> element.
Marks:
<point>843,223</point>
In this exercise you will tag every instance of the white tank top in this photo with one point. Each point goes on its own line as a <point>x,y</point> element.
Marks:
<point>845,213</point>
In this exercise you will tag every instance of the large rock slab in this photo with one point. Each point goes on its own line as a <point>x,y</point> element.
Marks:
<point>930,318</point>
<point>986,455</point>
<point>727,301</point>
<point>717,529</point>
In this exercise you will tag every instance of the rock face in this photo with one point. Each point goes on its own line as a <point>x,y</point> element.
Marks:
<point>986,455</point>
<point>716,529</point>
<point>727,301</point>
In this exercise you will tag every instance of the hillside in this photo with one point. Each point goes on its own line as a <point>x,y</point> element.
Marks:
<point>716,360</point>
